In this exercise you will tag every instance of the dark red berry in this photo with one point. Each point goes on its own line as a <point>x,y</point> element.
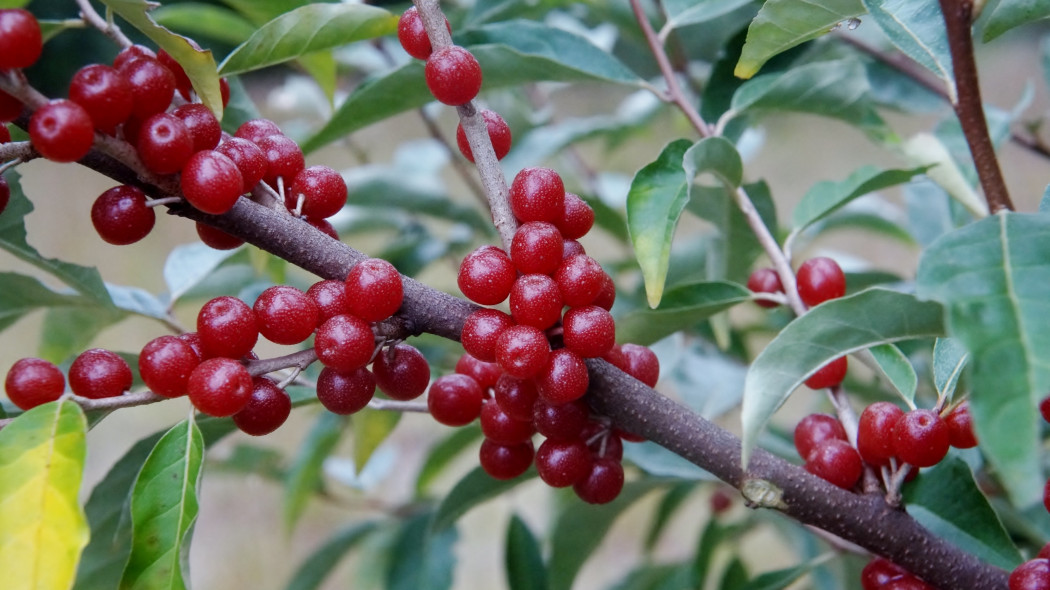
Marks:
<point>820,279</point>
<point>516,396</point>
<point>33,381</point>
<point>345,393</point>
<point>99,373</point>
<point>481,330</point>
<point>249,160</point>
<point>284,159</point>
<point>402,372</point>
<point>165,364</point>
<point>921,438</point>
<point>602,441</point>
<point>577,218</point>
<point>120,215</point>
<point>219,387</point>
<point>607,295</point>
<point>536,248</point>
<point>522,351</point>
<point>486,275</point>
<point>537,194</point>
<point>875,432</point>
<point>499,426</point>
<point>216,238</point>
<point>499,135</point>
<point>182,81</point>
<point>1033,574</point>
<point>256,129</point>
<point>561,421</point>
<point>580,279</point>
<point>562,463</point>
<point>211,182</point>
<point>1044,408</point>
<point>815,429</point>
<point>570,248</point>
<point>227,327</point>
<point>412,34</point>
<point>330,298</point>
<point>829,375</point>
<point>535,301</point>
<point>61,131</point>
<point>879,572</point>
<point>835,461</point>
<point>133,52</point>
<point>104,93</point>
<point>603,482</point>
<point>589,331</point>
<point>563,378</point>
<point>322,190</point>
<point>285,314</point>
<point>267,409</point>
<point>642,363</point>
<point>1046,495</point>
<point>204,128</point>
<point>486,374</point>
<point>374,290</point>
<point>453,75</point>
<point>344,343</point>
<point>152,84</point>
<point>765,280</point>
<point>455,400</point>
<point>5,135</point>
<point>960,427</point>
<point>10,107</point>
<point>323,226</point>
<point>20,39</point>
<point>505,461</point>
<point>164,144</point>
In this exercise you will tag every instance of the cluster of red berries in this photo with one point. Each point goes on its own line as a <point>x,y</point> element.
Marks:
<point>21,43</point>
<point>452,73</point>
<point>883,574</point>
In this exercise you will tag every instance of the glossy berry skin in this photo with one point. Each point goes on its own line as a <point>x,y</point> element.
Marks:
<point>256,129</point>
<point>204,128</point>
<point>249,159</point>
<point>603,482</point>
<point>642,363</point>
<point>921,438</point>
<point>165,364</point>
<point>211,182</point>
<point>323,191</point>
<point>577,218</point>
<point>815,429</point>
<point>284,158</point>
<point>99,373</point>
<point>960,427</point>
<point>10,107</point>
<point>330,298</point>
<point>182,81</point>
<point>152,84</point>
<point>602,441</point>
<point>323,226</point>
<point>481,331</point>
<point>374,290</point>
<point>505,462</point>
<point>104,93</point>
<point>33,381</point>
<point>267,409</point>
<point>563,378</point>
<point>455,400</point>
<point>61,131</point>
<point>522,351</point>
<point>227,327</point>
<point>413,36</point>
<point>20,39</point>
<point>133,52</point>
<point>486,374</point>
<point>765,280</point>
<point>1046,496</point>
<point>580,279</point>
<point>537,194</point>
<point>570,248</point>
<point>499,426</point>
<point>516,396</point>
<point>219,387</point>
<point>164,144</point>
<point>344,343</point>
<point>453,75</point>
<point>345,393</point>
<point>499,135</point>
<point>486,275</point>
<point>285,315</point>
<point>1033,574</point>
<point>837,462</point>
<point>875,432</point>
<point>216,238</point>
<point>536,248</point>
<point>402,372</point>
<point>121,217</point>
<point>820,279</point>
<point>607,296</point>
<point>562,463</point>
<point>829,375</point>
<point>561,421</point>
<point>535,301</point>
<point>879,572</point>
<point>589,331</point>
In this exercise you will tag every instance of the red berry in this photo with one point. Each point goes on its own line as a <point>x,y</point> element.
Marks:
<point>564,378</point>
<point>249,160</point>
<point>104,93</point>
<point>589,331</point>
<point>152,84</point>
<point>505,461</point>
<point>285,314</point>
<point>481,330</point>
<point>453,75</point>
<point>1033,574</point>
<point>875,432</point>
<point>330,298</point>
<point>374,290</point>
<point>121,217</point>
<point>193,339</point>
<point>535,301</point>
<point>323,226</point>
<point>204,128</point>
<point>921,438</point>
<point>815,429</point>
<point>344,343</point>
<point>837,462</point>
<point>182,81</point>
<point>224,92</point>
<point>607,295</point>
<point>164,144</point>
<point>561,421</point>
<point>99,373</point>
<point>20,39</point>
<point>820,279</point>
<point>61,131</point>
<point>537,194</point>
<point>256,129</point>
<point>765,280</point>
<point>1046,495</point>
<point>455,400</point>
<point>879,572</point>
<point>536,248</point>
<point>570,248</point>
<point>577,217</point>
<point>1044,552</point>
<point>960,427</point>
<point>499,426</point>
<point>268,407</point>
<point>522,351</point>
<point>829,375</point>
<point>562,463</point>
<point>642,363</point>
<point>499,135</point>
<point>211,182</point>
<point>402,372</point>
<point>602,441</point>
<point>284,158</point>
<point>227,327</point>
<point>580,279</point>
<point>10,107</point>
<point>214,237</point>
<point>516,396</point>
<point>5,135</point>
<point>219,387</point>
<point>412,34</point>
<point>33,381</point>
<point>130,53</point>
<point>486,276</point>
<point>322,189</point>
<point>345,393</point>
<point>165,364</point>
<point>486,374</point>
<point>603,482</point>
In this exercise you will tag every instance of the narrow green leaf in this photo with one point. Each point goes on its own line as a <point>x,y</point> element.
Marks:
<point>732,253</point>
<point>946,500</point>
<point>390,188</point>
<point>669,504</point>
<point>69,330</point>
<point>783,24</point>
<point>443,453</point>
<point>13,3</point>
<point>917,29</point>
<point>205,20</point>
<point>673,576</point>
<point>260,13</point>
<point>895,365</point>
<point>422,557</point>
<point>322,67</point>
<point>828,196</point>
<point>828,331</point>
<point>304,474</point>
<point>1014,13</point>
<point>682,307</point>
<point>779,579</point>
<point>525,569</point>
<point>312,573</point>
<point>949,360</point>
<point>49,29</point>
<point>475,488</point>
<point>371,428</point>
<point>735,575</point>
<point>712,538</point>
<point>307,29</point>
<point>41,466</point>
<point>681,13</point>
<point>658,194</point>
<point>164,508</point>
<point>22,294</point>
<point>927,150</point>
<point>716,156</point>
<point>137,301</point>
<point>993,277</point>
<point>189,264</point>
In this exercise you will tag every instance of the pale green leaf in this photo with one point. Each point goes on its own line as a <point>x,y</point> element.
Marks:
<point>304,474</point>
<point>312,573</point>
<point>371,428</point>
<point>682,307</point>
<point>896,367</point>
<point>524,561</point>
<point>189,264</point>
<point>422,558</point>
<point>205,20</point>
<point>926,149</point>
<point>916,28</point>
<point>681,13</point>
<point>476,487</point>
<point>949,360</point>
<point>828,196</point>
<point>22,294</point>
<point>1013,13</point>
<point>783,24</point>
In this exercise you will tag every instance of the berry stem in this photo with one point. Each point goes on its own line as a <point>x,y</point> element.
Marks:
<point>296,360</point>
<point>398,406</point>
<point>16,152</point>
<point>107,26</point>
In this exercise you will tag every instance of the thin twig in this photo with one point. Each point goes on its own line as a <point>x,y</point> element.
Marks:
<point>140,398</point>
<point>398,406</point>
<point>108,27</point>
<point>17,150</point>
<point>457,164</point>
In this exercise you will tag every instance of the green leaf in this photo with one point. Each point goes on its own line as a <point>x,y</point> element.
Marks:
<point>776,580</point>
<point>682,307</point>
<point>947,502</point>
<point>716,156</point>
<point>442,454</point>
<point>674,576</point>
<point>949,360</point>
<point>49,29</point>
<point>525,569</point>
<point>312,573</point>
<point>189,264</point>
<point>307,29</point>
<point>993,278</point>
<point>389,188</point>
<point>205,20</point>
<point>828,196</point>
<point>1013,13</point>
<point>672,500</point>
<point>927,150</point>
<point>260,12</point>
<point>198,64</point>
<point>137,301</point>
<point>681,13</point>
<point>13,3</point>
<point>164,508</point>
<point>917,30</point>
<point>371,428</point>
<point>732,253</point>
<point>895,365</point>
<point>475,488</point>
<point>658,194</point>
<point>69,330</point>
<point>41,466</point>
<point>783,24</point>
<point>22,294</point>
<point>304,475</point>
<point>421,558</point>
<point>826,332</point>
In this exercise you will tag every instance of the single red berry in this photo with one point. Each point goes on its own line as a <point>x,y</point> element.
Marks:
<point>120,215</point>
<point>516,396</point>
<point>602,441</point>
<point>837,462</point>
<point>224,92</point>
<point>182,81</point>
<point>603,482</point>
<point>535,301</point>
<point>193,339</point>
<point>921,438</point>
<point>33,381</point>
<point>268,407</point>
<point>486,374</point>
<point>505,461</point>
<point>164,144</point>
<point>499,426</point>
<point>481,330</point>
<point>537,194</point>
<point>165,364</point>
<point>577,217</point>
<point>345,393</point>
<point>5,135</point>
<point>815,429</point>
<point>1044,408</point>
<point>561,421</point>
<point>607,296</point>
<point>765,280</point>
<point>402,372</point>
<point>20,39</point>
<point>374,290</point>
<point>486,275</point>
<point>61,131</point>
<point>330,298</point>
<point>616,358</point>
<point>219,387</point>
<point>211,182</point>
<point>642,363</point>
<point>214,237</point>
<point>1044,553</point>
<point>522,351</point>
<point>580,279</point>
<point>875,432</point>
<point>562,463</point>
<point>323,226</point>
<point>227,327</point>
<point>284,159</point>
<point>589,331</point>
<point>204,128</point>
<point>344,343</point>
<point>720,501</point>
<point>960,427</point>
<point>570,248</point>
<point>820,279</point>
<point>104,93</point>
<point>536,248</point>
<point>256,129</point>
<point>285,315</point>
<point>1033,574</point>
<point>322,190</point>
<point>152,84</point>
<point>455,400</point>
<point>99,373</point>
<point>453,75</point>
<point>249,159</point>
<point>564,378</point>
<point>879,572</point>
<point>133,52</point>
<point>1046,495</point>
<point>629,436</point>
<point>10,107</point>
<point>829,375</point>
<point>413,36</point>
<point>499,135</point>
